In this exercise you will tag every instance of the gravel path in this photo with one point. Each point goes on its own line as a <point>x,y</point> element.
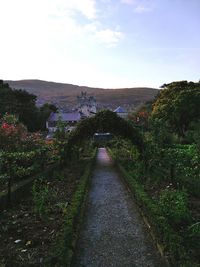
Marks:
<point>113,233</point>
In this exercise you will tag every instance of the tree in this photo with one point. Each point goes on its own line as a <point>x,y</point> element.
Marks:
<point>141,116</point>
<point>177,105</point>
<point>26,110</point>
<point>23,105</point>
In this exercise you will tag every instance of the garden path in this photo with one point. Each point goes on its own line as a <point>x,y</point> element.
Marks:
<point>113,233</point>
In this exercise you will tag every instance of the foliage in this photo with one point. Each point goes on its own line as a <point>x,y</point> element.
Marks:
<point>41,196</point>
<point>21,154</point>
<point>62,206</point>
<point>159,134</point>
<point>12,133</point>
<point>23,105</point>
<point>177,105</point>
<point>62,254</point>
<point>171,241</point>
<point>193,134</point>
<point>164,180</point>
<point>43,114</point>
<point>177,164</point>
<point>18,102</point>
<point>141,116</point>
<point>124,150</point>
<point>104,121</point>
<point>174,205</point>
<point>61,134</point>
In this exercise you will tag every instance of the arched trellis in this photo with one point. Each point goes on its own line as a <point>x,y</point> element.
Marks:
<point>103,121</point>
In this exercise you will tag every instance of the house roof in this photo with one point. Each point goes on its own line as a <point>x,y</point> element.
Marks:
<point>68,116</point>
<point>120,110</point>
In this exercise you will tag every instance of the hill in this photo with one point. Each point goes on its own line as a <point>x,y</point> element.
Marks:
<point>64,95</point>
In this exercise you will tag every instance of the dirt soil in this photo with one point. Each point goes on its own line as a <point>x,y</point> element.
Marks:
<point>27,237</point>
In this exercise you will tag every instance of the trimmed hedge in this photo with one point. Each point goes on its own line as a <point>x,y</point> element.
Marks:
<point>62,253</point>
<point>172,243</point>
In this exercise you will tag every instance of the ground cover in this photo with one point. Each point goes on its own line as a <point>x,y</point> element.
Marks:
<point>29,230</point>
<point>167,194</point>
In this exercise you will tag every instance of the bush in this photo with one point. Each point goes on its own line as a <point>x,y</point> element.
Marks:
<point>41,197</point>
<point>174,206</point>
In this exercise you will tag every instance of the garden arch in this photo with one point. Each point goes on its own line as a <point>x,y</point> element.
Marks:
<point>103,121</point>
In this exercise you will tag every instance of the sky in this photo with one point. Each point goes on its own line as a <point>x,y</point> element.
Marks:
<point>100,43</point>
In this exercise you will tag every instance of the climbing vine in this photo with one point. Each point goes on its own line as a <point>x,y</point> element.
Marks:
<point>104,121</point>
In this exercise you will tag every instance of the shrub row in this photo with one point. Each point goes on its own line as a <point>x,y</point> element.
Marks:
<point>20,165</point>
<point>178,164</point>
<point>172,242</point>
<point>22,189</point>
<point>63,251</point>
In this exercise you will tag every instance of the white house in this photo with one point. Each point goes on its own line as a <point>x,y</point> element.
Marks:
<point>86,108</point>
<point>71,118</point>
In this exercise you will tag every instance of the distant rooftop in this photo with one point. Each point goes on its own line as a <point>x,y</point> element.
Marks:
<point>120,110</point>
<point>67,116</point>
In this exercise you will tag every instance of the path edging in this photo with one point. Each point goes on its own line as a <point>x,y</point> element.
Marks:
<point>142,213</point>
<point>61,255</point>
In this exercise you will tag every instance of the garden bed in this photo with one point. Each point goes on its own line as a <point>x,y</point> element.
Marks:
<point>179,239</point>
<point>26,235</point>
<point>21,189</point>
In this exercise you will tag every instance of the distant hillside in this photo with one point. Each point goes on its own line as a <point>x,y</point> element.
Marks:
<point>64,95</point>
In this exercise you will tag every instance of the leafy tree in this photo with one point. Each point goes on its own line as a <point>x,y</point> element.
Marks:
<point>141,116</point>
<point>6,98</point>
<point>23,105</point>
<point>177,105</point>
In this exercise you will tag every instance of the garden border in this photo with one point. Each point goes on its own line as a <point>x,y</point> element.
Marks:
<point>21,189</point>
<point>125,177</point>
<point>62,253</point>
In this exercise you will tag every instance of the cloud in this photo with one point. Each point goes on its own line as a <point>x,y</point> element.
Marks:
<point>139,6</point>
<point>129,2</point>
<point>109,37</point>
<point>142,9</point>
<point>44,22</point>
<point>95,29</point>
<point>86,7</point>
<point>46,38</point>
<point>102,34</point>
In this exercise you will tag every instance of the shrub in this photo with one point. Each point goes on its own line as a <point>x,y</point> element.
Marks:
<point>174,205</point>
<point>12,133</point>
<point>41,197</point>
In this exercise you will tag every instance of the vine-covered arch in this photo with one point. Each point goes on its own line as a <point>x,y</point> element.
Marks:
<point>104,121</point>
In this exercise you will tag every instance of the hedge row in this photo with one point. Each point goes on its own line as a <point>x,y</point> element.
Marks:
<point>21,189</point>
<point>171,242</point>
<point>63,251</point>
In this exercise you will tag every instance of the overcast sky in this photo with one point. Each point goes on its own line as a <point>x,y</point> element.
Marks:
<point>101,43</point>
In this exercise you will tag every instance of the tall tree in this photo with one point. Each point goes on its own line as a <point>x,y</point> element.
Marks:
<point>23,105</point>
<point>178,105</point>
